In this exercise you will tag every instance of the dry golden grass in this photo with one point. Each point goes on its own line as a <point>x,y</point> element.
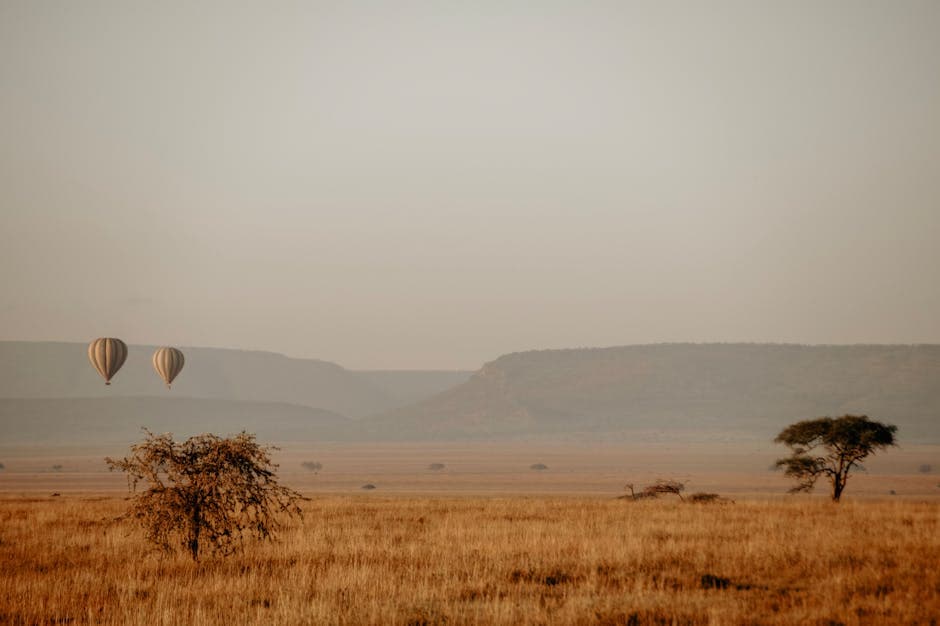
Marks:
<point>533,560</point>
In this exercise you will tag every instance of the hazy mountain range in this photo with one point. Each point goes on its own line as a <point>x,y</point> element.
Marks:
<point>62,370</point>
<point>49,393</point>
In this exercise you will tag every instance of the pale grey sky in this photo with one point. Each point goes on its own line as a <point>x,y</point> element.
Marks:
<point>430,185</point>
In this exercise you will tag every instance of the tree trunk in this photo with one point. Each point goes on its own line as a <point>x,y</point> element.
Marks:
<point>838,484</point>
<point>194,534</point>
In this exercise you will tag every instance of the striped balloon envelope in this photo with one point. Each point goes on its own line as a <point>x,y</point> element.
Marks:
<point>168,362</point>
<point>107,354</point>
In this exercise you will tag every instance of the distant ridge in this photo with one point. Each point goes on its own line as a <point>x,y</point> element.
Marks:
<point>746,388</point>
<point>49,393</point>
<point>61,370</point>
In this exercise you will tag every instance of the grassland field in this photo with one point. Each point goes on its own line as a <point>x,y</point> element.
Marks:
<point>369,559</point>
<point>488,541</point>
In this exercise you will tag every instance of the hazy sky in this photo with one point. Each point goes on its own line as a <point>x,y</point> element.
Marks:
<point>430,185</point>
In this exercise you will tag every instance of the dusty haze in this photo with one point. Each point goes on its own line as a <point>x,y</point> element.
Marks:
<point>433,185</point>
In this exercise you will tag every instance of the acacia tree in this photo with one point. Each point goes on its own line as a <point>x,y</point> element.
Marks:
<point>205,491</point>
<point>831,447</point>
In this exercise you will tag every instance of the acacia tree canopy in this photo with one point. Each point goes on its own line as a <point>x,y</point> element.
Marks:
<point>831,447</point>
<point>205,491</point>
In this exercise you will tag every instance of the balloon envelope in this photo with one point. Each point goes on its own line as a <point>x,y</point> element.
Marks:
<point>168,362</point>
<point>107,354</point>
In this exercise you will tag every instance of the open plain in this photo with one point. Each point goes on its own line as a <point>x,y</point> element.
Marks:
<point>486,539</point>
<point>734,467</point>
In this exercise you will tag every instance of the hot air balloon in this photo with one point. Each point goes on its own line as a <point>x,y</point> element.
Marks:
<point>107,354</point>
<point>168,362</point>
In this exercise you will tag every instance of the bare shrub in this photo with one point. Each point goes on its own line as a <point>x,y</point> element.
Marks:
<point>313,466</point>
<point>436,466</point>
<point>655,490</point>
<point>538,466</point>
<point>205,491</point>
<point>926,468</point>
<point>57,468</point>
<point>661,487</point>
<point>368,487</point>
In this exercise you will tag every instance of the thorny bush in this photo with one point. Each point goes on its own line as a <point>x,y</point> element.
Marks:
<point>207,491</point>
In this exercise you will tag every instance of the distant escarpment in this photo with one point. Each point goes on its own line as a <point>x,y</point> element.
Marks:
<point>748,390</point>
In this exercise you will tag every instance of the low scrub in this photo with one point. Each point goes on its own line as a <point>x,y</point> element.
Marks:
<point>706,498</point>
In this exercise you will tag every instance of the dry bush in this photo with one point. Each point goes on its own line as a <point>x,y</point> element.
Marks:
<point>207,491</point>
<point>538,466</point>
<point>474,560</point>
<point>436,466</point>
<point>313,466</point>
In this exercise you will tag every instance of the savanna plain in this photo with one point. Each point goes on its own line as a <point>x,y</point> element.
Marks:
<point>508,546</point>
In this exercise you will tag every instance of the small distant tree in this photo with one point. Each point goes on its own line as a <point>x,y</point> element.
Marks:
<point>831,447</point>
<point>313,466</point>
<point>57,468</point>
<point>207,491</point>
<point>926,468</point>
<point>2,466</point>
<point>436,467</point>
